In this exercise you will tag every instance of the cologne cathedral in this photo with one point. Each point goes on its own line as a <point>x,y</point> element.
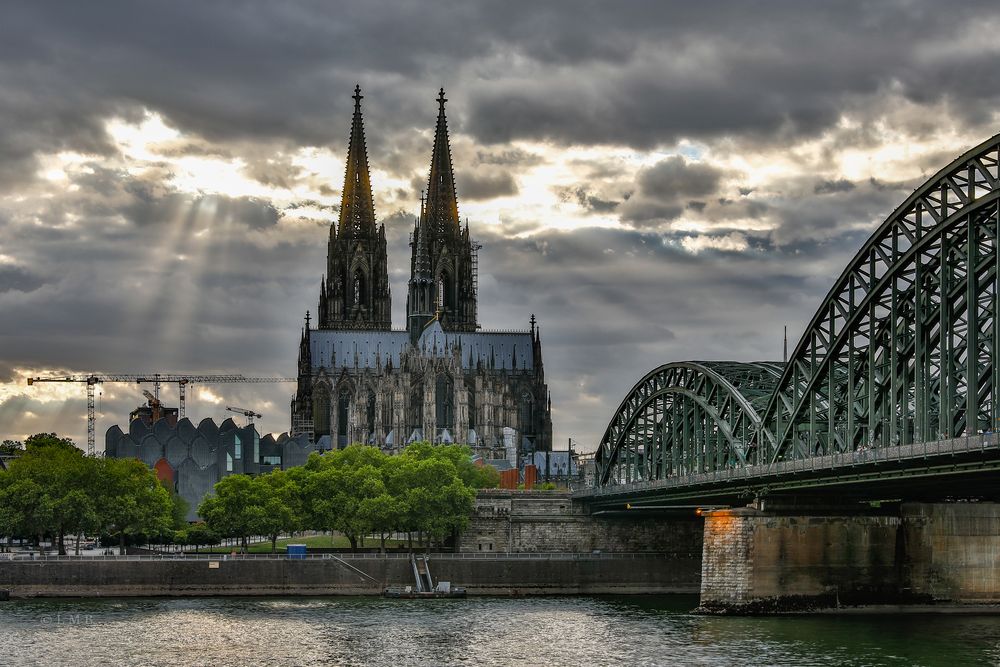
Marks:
<point>441,378</point>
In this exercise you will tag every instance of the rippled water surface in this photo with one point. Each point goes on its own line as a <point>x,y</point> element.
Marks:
<point>477,631</point>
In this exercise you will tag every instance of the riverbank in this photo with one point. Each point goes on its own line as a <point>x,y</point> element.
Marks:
<point>363,574</point>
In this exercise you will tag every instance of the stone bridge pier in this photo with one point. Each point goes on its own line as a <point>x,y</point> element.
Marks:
<point>783,556</point>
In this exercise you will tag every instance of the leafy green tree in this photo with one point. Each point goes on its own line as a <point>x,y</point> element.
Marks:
<point>76,514</point>
<point>25,509</point>
<point>357,491</point>
<point>336,494</point>
<point>179,508</point>
<point>64,477</point>
<point>282,502</point>
<point>437,501</point>
<point>11,447</point>
<point>381,514</point>
<point>199,534</point>
<point>131,500</point>
<point>49,440</point>
<point>234,509</point>
<point>460,456</point>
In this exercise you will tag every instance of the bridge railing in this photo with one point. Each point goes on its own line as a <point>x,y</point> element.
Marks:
<point>475,555</point>
<point>862,457</point>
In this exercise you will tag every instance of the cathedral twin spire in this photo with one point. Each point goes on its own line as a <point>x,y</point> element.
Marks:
<point>357,207</point>
<point>355,292</point>
<point>355,295</point>
<point>441,206</point>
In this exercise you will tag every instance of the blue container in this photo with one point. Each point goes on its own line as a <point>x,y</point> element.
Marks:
<point>297,551</point>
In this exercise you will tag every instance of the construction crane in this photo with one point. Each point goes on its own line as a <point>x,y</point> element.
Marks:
<point>249,414</point>
<point>154,405</point>
<point>182,381</point>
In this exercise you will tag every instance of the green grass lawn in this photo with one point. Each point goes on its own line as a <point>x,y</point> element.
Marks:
<point>311,542</point>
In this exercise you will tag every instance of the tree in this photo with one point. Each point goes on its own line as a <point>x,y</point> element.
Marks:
<point>25,509</point>
<point>233,510</point>
<point>460,456</point>
<point>381,514</point>
<point>335,495</point>
<point>199,533</point>
<point>41,440</point>
<point>64,477</point>
<point>281,496</point>
<point>11,447</point>
<point>436,500</point>
<point>131,500</point>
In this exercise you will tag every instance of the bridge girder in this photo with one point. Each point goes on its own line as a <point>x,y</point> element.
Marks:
<point>686,417</point>
<point>902,350</point>
<point>906,330</point>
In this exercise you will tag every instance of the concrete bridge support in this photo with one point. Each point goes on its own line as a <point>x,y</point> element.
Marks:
<point>788,558</point>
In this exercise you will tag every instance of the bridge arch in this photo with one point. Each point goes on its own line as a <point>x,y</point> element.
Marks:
<point>902,348</point>
<point>685,417</point>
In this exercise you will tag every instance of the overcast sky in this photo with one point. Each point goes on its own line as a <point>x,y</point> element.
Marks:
<point>655,181</point>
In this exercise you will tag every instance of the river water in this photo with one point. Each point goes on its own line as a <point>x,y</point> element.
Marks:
<point>476,631</point>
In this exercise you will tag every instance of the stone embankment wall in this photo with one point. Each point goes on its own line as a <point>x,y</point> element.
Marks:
<point>513,521</point>
<point>764,561</point>
<point>756,561</point>
<point>568,574</point>
<point>953,551</point>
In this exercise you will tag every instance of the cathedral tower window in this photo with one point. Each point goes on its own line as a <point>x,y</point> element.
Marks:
<point>343,403</point>
<point>387,413</point>
<point>416,411</point>
<point>445,289</point>
<point>321,410</point>
<point>472,407</point>
<point>371,413</point>
<point>444,394</point>
<point>527,413</point>
<point>359,288</point>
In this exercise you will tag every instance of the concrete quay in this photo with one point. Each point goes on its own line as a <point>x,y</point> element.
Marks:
<point>489,574</point>
<point>758,561</point>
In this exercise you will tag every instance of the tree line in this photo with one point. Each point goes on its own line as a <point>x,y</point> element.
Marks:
<point>426,490</point>
<point>52,490</point>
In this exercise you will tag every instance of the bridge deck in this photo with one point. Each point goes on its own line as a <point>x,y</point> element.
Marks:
<point>956,458</point>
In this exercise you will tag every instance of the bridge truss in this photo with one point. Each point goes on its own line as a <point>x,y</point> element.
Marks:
<point>902,350</point>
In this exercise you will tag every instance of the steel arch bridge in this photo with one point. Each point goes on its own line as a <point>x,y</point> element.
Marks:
<point>901,352</point>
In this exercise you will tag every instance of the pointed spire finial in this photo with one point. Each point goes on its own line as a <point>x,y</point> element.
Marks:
<point>307,320</point>
<point>441,205</point>
<point>533,320</point>
<point>357,207</point>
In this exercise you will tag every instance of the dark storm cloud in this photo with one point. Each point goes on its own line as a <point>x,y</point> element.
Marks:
<point>513,157</point>
<point>675,177</point>
<point>587,200</point>
<point>126,273</point>
<point>275,171</point>
<point>474,185</point>
<point>828,187</point>
<point>18,279</point>
<point>655,71</point>
<point>666,188</point>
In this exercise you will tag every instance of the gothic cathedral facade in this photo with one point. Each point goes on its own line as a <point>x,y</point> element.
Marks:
<point>442,378</point>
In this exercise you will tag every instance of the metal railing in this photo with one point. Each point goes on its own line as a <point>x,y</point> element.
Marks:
<point>871,456</point>
<point>475,555</point>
